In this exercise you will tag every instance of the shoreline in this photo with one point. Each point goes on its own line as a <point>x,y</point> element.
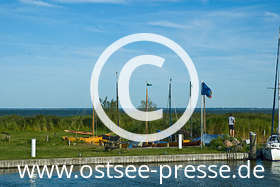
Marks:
<point>7,164</point>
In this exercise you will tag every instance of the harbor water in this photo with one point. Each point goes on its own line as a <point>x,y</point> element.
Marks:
<point>271,177</point>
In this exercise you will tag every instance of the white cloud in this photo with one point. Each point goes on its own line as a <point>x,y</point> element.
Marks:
<point>165,0</point>
<point>37,3</point>
<point>168,24</point>
<point>92,1</point>
<point>271,14</point>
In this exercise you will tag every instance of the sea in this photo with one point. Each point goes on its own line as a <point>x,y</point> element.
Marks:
<point>88,111</point>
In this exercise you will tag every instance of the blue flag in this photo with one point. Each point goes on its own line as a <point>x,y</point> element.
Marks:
<point>205,90</point>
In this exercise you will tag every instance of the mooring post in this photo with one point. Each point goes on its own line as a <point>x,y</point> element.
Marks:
<point>180,141</point>
<point>33,148</point>
<point>253,146</point>
<point>9,139</point>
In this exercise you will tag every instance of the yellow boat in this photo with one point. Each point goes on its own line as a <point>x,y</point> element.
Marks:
<point>90,140</point>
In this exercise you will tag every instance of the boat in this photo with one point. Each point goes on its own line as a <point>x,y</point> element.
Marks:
<point>271,150</point>
<point>92,138</point>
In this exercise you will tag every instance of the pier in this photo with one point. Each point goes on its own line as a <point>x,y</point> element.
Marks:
<point>125,159</point>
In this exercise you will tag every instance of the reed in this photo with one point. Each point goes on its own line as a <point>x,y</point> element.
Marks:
<point>216,124</point>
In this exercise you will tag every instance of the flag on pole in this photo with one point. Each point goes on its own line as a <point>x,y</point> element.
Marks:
<point>205,90</point>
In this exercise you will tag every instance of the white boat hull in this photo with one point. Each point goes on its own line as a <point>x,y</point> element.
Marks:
<point>272,154</point>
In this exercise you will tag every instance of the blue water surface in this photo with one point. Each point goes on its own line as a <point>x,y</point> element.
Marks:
<point>271,177</point>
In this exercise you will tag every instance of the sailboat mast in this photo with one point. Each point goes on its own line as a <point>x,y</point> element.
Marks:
<point>117,100</point>
<point>146,122</point>
<point>169,103</point>
<point>278,129</point>
<point>190,105</point>
<point>169,107</point>
<point>275,86</point>
<point>278,132</point>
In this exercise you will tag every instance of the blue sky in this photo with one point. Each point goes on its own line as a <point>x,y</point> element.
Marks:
<point>48,49</point>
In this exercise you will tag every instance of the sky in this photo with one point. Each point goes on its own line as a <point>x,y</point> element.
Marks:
<point>48,49</point>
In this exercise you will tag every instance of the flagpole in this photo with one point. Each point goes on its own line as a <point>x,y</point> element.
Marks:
<point>204,114</point>
<point>201,122</point>
<point>205,91</point>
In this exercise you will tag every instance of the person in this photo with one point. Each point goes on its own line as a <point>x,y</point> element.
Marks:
<point>231,123</point>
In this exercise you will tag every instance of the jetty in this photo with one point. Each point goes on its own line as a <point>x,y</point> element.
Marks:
<point>125,159</point>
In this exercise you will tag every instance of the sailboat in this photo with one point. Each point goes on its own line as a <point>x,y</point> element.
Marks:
<point>93,138</point>
<point>272,147</point>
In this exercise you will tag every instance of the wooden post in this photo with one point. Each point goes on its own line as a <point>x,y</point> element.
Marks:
<point>92,120</point>
<point>9,139</point>
<point>253,146</point>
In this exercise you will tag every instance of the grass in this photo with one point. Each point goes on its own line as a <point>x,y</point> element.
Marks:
<point>23,129</point>
<point>20,148</point>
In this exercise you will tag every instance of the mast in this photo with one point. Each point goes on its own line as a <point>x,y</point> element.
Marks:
<point>117,100</point>
<point>190,107</point>
<point>275,87</point>
<point>147,129</point>
<point>169,103</point>
<point>169,107</point>
<point>278,130</point>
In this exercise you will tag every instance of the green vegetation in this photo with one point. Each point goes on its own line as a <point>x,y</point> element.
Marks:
<point>16,133</point>
<point>245,122</point>
<point>227,143</point>
<point>19,148</point>
<point>216,124</point>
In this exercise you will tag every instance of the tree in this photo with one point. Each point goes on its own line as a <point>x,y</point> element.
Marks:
<point>151,106</point>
